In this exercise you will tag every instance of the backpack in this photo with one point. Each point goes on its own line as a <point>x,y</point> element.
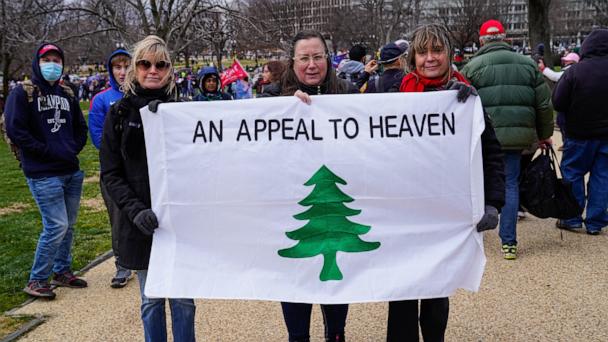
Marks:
<point>544,195</point>
<point>30,89</point>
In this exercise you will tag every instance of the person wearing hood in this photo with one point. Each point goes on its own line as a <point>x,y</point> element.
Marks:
<point>44,120</point>
<point>211,86</point>
<point>580,94</point>
<point>118,63</point>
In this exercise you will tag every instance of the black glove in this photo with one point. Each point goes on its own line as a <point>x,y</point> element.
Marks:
<point>153,105</point>
<point>489,219</point>
<point>146,221</point>
<point>464,90</point>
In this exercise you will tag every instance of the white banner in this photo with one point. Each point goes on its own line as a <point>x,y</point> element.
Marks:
<point>354,198</point>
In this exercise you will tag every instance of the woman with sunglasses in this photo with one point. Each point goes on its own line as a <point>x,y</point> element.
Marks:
<point>309,72</point>
<point>124,170</point>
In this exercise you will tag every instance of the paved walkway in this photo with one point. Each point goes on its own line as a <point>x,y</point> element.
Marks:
<point>556,291</point>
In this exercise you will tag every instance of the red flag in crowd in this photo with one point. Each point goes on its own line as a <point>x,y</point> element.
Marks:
<point>233,73</point>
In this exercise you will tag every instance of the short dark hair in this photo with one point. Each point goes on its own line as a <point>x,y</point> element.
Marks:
<point>357,52</point>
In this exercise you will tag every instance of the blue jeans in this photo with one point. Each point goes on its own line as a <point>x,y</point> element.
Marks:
<point>508,214</point>
<point>581,157</point>
<point>154,318</point>
<point>58,200</point>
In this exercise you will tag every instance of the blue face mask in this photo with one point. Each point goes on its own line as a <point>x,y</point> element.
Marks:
<point>51,71</point>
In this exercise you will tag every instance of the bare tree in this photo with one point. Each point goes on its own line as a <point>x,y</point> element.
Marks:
<point>463,18</point>
<point>601,11</point>
<point>539,29</point>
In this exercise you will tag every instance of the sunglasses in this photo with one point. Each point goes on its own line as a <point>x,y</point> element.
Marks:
<point>146,64</point>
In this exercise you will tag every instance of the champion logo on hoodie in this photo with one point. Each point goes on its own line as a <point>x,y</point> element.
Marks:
<point>57,103</point>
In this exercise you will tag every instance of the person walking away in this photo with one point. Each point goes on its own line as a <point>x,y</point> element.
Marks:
<point>518,101</point>
<point>580,95</point>
<point>352,69</point>
<point>429,59</point>
<point>44,120</point>
<point>124,166</point>
<point>567,61</point>
<point>118,62</point>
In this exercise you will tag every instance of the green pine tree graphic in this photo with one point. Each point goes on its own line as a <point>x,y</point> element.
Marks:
<point>328,230</point>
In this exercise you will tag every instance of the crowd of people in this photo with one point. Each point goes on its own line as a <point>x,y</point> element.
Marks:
<point>45,123</point>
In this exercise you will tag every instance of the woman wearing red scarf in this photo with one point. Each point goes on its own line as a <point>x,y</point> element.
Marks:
<point>429,59</point>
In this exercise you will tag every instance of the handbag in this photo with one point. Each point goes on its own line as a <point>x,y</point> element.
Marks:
<point>545,195</point>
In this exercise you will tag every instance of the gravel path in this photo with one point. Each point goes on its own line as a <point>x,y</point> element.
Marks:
<point>555,291</point>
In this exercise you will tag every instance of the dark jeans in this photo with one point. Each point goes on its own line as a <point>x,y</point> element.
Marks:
<point>583,157</point>
<point>297,319</point>
<point>114,215</point>
<point>403,320</point>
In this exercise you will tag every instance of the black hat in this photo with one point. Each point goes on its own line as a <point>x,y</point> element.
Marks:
<point>390,53</point>
<point>357,52</point>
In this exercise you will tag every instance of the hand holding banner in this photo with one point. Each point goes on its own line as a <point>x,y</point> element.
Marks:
<point>350,199</point>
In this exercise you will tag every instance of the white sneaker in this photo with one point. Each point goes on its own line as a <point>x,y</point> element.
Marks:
<point>521,215</point>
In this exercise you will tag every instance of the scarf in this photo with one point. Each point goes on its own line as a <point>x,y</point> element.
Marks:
<point>143,96</point>
<point>415,83</point>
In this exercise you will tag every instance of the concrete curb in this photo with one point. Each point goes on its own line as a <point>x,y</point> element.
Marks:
<point>40,319</point>
<point>24,329</point>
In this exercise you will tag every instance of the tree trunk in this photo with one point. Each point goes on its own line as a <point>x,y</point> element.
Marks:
<point>6,64</point>
<point>538,27</point>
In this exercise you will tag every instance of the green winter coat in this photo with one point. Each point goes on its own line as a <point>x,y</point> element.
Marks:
<point>514,94</point>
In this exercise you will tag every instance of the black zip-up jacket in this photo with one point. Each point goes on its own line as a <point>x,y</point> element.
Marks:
<point>125,172</point>
<point>582,89</point>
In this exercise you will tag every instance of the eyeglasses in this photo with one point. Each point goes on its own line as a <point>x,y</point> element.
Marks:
<point>146,64</point>
<point>305,59</point>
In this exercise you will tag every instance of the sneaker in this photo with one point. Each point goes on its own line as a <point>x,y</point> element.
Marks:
<point>121,278</point>
<point>509,252</point>
<point>521,215</point>
<point>40,289</point>
<point>68,279</point>
<point>593,232</point>
<point>561,224</point>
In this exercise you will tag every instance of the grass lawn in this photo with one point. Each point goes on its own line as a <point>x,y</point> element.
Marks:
<point>20,225</point>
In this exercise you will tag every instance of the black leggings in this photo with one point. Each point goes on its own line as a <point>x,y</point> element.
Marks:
<point>297,319</point>
<point>403,320</point>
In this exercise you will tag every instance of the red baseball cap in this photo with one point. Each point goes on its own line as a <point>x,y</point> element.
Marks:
<point>48,48</point>
<point>491,27</point>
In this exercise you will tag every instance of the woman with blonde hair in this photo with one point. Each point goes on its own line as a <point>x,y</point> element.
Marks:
<point>124,170</point>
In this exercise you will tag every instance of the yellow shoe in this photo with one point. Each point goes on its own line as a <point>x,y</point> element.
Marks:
<point>509,252</point>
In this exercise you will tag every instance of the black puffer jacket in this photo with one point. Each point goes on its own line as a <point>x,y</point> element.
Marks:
<point>582,89</point>
<point>124,170</point>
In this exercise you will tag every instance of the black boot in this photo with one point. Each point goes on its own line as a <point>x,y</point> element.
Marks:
<point>335,338</point>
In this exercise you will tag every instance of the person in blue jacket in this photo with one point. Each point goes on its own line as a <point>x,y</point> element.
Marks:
<point>118,63</point>
<point>211,86</point>
<point>44,120</point>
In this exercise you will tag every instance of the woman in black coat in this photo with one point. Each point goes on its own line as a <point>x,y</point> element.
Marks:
<point>310,73</point>
<point>124,170</point>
